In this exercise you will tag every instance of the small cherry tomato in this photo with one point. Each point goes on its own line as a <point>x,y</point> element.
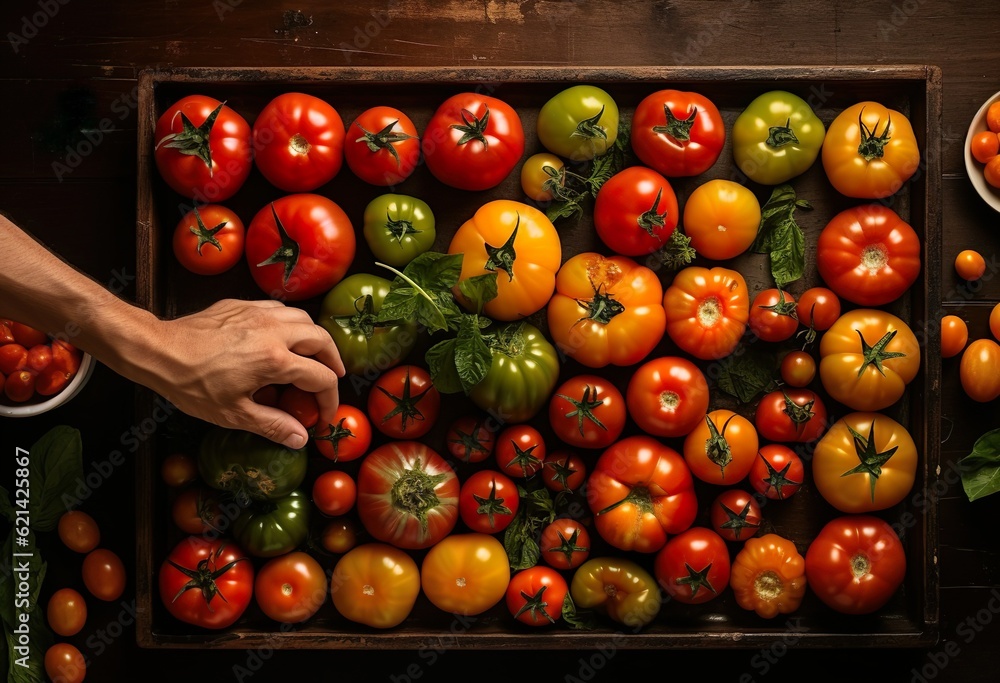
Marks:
<point>777,472</point>
<point>798,369</point>
<point>818,308</point>
<point>348,438</point>
<point>334,493</point>
<point>179,469</point>
<point>979,370</point>
<point>488,502</point>
<point>995,322</point>
<point>78,531</point>
<point>209,240</point>
<point>735,515</point>
<point>985,146</point>
<point>470,440</point>
<point>65,664</point>
<point>300,404</point>
<point>542,175</point>
<point>565,544</point>
<point>791,415</point>
<point>20,386</point>
<point>992,171</point>
<point>970,265</point>
<point>993,117</point>
<point>66,612</point>
<point>563,471</point>
<point>104,574</point>
<point>955,334</point>
<point>39,357</point>
<point>339,536</point>
<point>520,451</point>
<point>772,315</point>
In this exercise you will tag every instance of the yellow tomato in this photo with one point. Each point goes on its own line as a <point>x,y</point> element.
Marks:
<point>375,584</point>
<point>721,218</point>
<point>466,574</point>
<point>540,173</point>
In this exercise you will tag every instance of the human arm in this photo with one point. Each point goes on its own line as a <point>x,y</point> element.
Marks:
<point>209,364</point>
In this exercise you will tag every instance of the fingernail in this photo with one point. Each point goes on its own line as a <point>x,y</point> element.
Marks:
<point>295,441</point>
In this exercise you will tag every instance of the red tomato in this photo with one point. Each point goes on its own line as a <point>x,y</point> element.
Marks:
<point>488,502</point>
<point>179,469</point>
<point>65,357</point>
<point>772,315</point>
<point>473,141</point>
<point>202,148</point>
<point>222,578</point>
<point>348,438</point>
<point>535,596</point>
<point>267,395</point>
<point>735,515</point>
<point>818,308</point>
<point>407,495</point>
<point>563,471</point>
<point>13,358</point>
<point>334,493</point>
<point>78,531</point>
<point>382,146</point>
<point>470,440</point>
<point>403,403</point>
<point>855,564</point>
<point>298,142</point>
<point>635,211</point>
<point>792,415</point>
<point>64,663</point>
<point>51,381</point>
<point>290,589</point>
<point>777,473</point>
<point>587,411</point>
<point>20,386</point>
<point>66,612</point>
<point>39,357</point>
<point>339,536</point>
<point>299,246</point>
<point>640,491</point>
<point>668,396</point>
<point>798,369</point>
<point>565,544</point>
<point>197,510</point>
<point>868,255</point>
<point>722,448</point>
<point>104,574</point>
<point>27,336</point>
<point>300,404</point>
<point>693,567</point>
<point>520,451</point>
<point>678,133</point>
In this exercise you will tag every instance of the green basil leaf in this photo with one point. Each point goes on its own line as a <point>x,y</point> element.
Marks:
<point>582,620</point>
<point>472,356</point>
<point>788,260</point>
<point>566,208</point>
<point>781,237</point>
<point>56,468</point>
<point>433,270</point>
<point>747,374</point>
<point>441,365</point>
<point>981,467</point>
<point>479,290</point>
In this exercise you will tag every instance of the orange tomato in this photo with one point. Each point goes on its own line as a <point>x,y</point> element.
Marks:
<point>980,370</point>
<point>954,335</point>
<point>707,311</point>
<point>992,171</point>
<point>721,218</point>
<point>870,151</point>
<point>970,265</point>
<point>104,574</point>
<point>798,369</point>
<point>606,310</point>
<point>865,462</point>
<point>541,174</point>
<point>78,531</point>
<point>466,574</point>
<point>769,576</point>
<point>375,584</point>
<point>520,244</point>
<point>722,448</point>
<point>993,117</point>
<point>995,321</point>
<point>65,663</point>
<point>985,146</point>
<point>66,612</point>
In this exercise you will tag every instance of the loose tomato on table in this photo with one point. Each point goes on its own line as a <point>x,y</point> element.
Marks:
<point>488,502</point>
<point>667,396</point>
<point>693,567</point>
<point>403,403</point>
<point>563,471</point>
<point>678,133</point>
<point>407,495</point>
<point>970,265</point>
<point>587,411</point>
<point>398,228</point>
<point>791,415</point>
<point>867,358</point>
<point>273,527</point>
<point>382,146</point>
<point>298,142</point>
<point>299,246</point>
<point>865,462</point>
<point>65,663</point>
<point>954,336</point>
<point>565,544</point>
<point>520,451</point>
<point>473,141</point>
<point>768,576</point>
<point>980,370</point>
<point>773,316</point>
<point>868,255</point>
<point>104,574</point>
<point>202,148</point>
<point>535,596</point>
<point>735,515</point>
<point>376,585</point>
<point>777,473</point>
<point>579,123</point>
<point>66,612</point>
<point>721,218</point>
<point>870,151</point>
<point>290,589</point>
<point>78,531</point>
<point>606,310</point>
<point>640,491</point>
<point>208,240</point>
<point>777,137</point>
<point>339,535</point>
<point>995,322</point>
<point>722,448</point>
<point>334,493</point>
<point>206,583</point>
<point>798,369</point>
<point>707,311</point>
<point>523,372</point>
<point>635,211</point>
<point>348,438</point>
<point>465,574</point>
<point>469,439</point>
<point>856,564</point>
<point>619,588</point>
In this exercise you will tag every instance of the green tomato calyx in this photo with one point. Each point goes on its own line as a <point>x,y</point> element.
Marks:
<point>473,128</point>
<point>384,139</point>
<point>875,355</point>
<point>414,494</point>
<point>871,460</point>
<point>872,144</point>
<point>678,129</point>
<point>287,254</point>
<point>591,129</point>
<point>193,140</point>
<point>503,257</point>
<point>651,221</point>
<point>206,235</point>
<point>778,136</point>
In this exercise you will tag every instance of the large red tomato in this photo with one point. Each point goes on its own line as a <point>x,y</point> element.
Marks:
<point>668,396</point>
<point>407,495</point>
<point>382,146</point>
<point>298,142</point>
<point>299,246</point>
<point>693,567</point>
<point>707,311</point>
<point>206,583</point>
<point>473,141</point>
<point>202,148</point>
<point>635,212</point>
<point>678,133</point>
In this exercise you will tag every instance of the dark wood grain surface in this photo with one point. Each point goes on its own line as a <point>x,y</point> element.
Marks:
<point>68,174</point>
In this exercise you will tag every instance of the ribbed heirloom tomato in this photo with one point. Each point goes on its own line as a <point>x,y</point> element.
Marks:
<point>667,396</point>
<point>640,491</point>
<point>209,240</point>
<point>375,585</point>
<point>619,588</point>
<point>382,146</point>
<point>707,311</point>
<point>606,310</point>
<point>465,574</point>
<point>635,211</point>
<point>722,448</point>
<point>693,567</point>
<point>678,133</point>
<point>768,576</point>
<point>521,245</point>
<point>587,411</point>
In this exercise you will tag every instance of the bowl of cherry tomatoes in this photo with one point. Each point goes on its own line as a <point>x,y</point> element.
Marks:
<point>982,151</point>
<point>37,372</point>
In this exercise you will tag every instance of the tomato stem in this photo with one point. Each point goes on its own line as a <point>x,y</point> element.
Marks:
<point>503,257</point>
<point>778,136</point>
<point>337,433</point>
<point>697,579</point>
<point>472,127</point>
<point>871,460</point>
<point>584,408</point>
<point>768,585</point>
<point>650,220</point>
<point>206,235</point>
<point>414,494</point>
<point>287,254</point>
<point>568,546</point>
<point>875,355</point>
<point>194,140</point>
<point>383,139</point>
<point>602,308</point>
<point>491,505</point>
<point>678,129</point>
<point>590,128</point>
<point>873,145</point>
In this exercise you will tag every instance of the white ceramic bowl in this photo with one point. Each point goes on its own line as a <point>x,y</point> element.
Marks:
<point>87,364</point>
<point>990,194</point>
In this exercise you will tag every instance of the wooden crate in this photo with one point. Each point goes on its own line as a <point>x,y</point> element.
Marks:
<point>910,619</point>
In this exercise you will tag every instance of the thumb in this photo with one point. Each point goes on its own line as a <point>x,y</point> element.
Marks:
<point>276,425</point>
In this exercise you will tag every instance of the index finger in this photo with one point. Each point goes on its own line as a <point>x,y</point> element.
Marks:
<point>313,340</point>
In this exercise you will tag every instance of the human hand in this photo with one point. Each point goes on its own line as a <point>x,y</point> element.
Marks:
<point>209,364</point>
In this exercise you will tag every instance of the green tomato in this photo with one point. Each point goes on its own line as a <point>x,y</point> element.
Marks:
<point>522,374</point>
<point>251,467</point>
<point>579,123</point>
<point>398,228</point>
<point>348,313</point>
<point>777,138</point>
<point>273,527</point>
